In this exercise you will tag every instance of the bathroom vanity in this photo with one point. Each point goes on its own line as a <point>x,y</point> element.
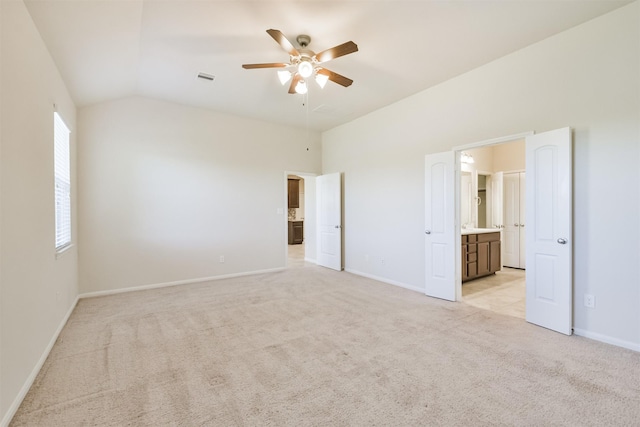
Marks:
<point>480,252</point>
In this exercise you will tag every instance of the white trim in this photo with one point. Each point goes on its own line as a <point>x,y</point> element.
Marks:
<point>607,339</point>
<point>176,283</point>
<point>383,280</point>
<point>494,141</point>
<point>36,369</point>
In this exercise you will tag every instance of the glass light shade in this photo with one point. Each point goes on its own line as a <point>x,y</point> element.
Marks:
<point>301,87</point>
<point>322,80</point>
<point>284,76</point>
<point>305,69</point>
<point>466,158</point>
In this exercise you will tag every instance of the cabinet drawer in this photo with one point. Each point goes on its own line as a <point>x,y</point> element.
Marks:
<point>472,248</point>
<point>488,237</point>
<point>472,257</point>
<point>472,238</point>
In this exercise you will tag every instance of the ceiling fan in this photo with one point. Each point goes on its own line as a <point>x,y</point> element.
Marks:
<point>304,63</point>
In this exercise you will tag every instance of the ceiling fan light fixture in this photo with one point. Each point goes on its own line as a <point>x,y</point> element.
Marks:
<point>321,79</point>
<point>301,87</point>
<point>284,76</point>
<point>305,69</point>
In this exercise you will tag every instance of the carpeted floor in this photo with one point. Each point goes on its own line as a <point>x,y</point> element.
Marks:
<point>314,347</point>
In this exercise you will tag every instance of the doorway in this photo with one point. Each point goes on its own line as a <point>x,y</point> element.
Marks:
<point>549,235</point>
<point>300,219</point>
<point>488,202</point>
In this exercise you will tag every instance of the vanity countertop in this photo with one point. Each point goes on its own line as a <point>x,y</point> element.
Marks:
<point>466,231</point>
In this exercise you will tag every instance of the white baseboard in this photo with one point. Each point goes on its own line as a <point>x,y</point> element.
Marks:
<point>383,280</point>
<point>176,283</point>
<point>36,369</point>
<point>607,339</point>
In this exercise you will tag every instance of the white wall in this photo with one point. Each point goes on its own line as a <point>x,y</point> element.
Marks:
<point>167,189</point>
<point>37,290</point>
<point>586,78</point>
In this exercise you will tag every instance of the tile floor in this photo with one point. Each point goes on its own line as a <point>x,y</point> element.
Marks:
<point>503,292</point>
<point>296,256</point>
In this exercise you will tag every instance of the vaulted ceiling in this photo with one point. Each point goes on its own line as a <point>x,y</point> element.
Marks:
<point>107,49</point>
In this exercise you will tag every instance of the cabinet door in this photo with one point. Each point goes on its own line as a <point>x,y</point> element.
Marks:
<point>294,193</point>
<point>465,272</point>
<point>483,258</point>
<point>494,256</point>
<point>298,232</point>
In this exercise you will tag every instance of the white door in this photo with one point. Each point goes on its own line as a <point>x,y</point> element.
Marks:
<point>514,240</point>
<point>522,209</point>
<point>549,299</point>
<point>329,232</point>
<point>511,231</point>
<point>440,244</point>
<point>497,182</point>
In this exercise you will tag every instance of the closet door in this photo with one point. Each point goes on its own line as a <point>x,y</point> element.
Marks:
<point>511,217</point>
<point>522,206</point>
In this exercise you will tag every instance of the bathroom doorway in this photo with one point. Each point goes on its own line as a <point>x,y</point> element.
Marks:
<point>489,200</point>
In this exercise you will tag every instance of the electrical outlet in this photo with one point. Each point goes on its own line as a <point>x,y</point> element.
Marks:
<point>589,301</point>
<point>221,259</point>
<point>382,261</point>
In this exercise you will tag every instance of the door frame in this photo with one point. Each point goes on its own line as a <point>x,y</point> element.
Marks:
<point>308,201</point>
<point>457,190</point>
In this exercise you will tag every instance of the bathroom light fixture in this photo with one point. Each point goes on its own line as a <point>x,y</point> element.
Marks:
<point>466,158</point>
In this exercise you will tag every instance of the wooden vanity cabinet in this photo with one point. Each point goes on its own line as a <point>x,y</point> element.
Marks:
<point>480,255</point>
<point>296,232</point>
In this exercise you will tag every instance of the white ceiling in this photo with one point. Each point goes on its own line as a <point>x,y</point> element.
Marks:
<point>107,49</point>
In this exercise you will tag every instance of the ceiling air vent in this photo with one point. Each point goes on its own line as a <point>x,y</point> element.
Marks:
<point>206,76</point>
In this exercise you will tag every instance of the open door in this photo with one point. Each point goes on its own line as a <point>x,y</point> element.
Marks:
<point>329,232</point>
<point>549,259</point>
<point>440,245</point>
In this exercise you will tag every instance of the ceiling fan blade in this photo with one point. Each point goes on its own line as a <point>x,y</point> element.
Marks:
<point>294,82</point>
<point>268,65</point>
<point>283,41</point>
<point>336,78</point>
<point>337,51</point>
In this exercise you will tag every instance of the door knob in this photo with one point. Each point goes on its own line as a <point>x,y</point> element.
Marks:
<point>337,226</point>
<point>427,232</point>
<point>516,225</point>
<point>521,225</point>
<point>562,241</point>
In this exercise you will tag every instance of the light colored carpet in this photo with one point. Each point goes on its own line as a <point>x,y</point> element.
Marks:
<point>310,346</point>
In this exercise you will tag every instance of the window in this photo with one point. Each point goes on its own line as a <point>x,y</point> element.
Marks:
<point>62,173</point>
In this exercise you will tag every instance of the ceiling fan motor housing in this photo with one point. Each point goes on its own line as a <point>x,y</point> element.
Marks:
<point>303,40</point>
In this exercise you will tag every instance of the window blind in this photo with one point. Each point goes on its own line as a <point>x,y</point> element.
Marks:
<point>62,172</point>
